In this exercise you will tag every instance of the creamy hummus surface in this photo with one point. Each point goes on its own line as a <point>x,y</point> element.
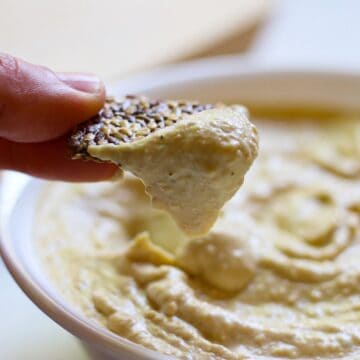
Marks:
<point>277,277</point>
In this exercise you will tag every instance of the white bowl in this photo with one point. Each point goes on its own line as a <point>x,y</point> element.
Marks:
<point>226,79</point>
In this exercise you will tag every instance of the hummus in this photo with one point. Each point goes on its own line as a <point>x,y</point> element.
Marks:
<point>192,168</point>
<point>277,277</point>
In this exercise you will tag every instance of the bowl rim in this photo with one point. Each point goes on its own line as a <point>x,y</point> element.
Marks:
<point>215,68</point>
<point>49,302</point>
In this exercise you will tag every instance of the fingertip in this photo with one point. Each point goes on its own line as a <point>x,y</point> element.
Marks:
<point>87,89</point>
<point>88,83</point>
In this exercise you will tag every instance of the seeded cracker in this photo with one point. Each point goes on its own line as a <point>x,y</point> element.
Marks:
<point>192,158</point>
<point>130,119</point>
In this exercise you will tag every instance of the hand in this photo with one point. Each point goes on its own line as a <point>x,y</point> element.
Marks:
<point>38,107</point>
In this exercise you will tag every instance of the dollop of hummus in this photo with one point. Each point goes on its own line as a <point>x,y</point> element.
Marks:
<point>190,169</point>
<point>277,277</point>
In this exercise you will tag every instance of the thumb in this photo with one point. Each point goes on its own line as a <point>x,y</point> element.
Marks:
<point>37,104</point>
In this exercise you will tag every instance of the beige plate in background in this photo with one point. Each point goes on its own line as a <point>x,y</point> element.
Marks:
<point>113,37</point>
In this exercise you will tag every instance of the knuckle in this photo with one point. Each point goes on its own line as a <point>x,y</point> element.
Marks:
<point>12,80</point>
<point>10,86</point>
<point>9,66</point>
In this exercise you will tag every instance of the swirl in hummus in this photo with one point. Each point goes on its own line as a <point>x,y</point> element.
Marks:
<point>278,276</point>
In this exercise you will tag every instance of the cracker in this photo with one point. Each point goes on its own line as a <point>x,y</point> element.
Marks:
<point>130,119</point>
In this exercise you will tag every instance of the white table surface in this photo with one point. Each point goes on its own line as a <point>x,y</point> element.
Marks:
<point>330,26</point>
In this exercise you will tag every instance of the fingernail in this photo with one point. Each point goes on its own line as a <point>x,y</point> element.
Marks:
<point>83,82</point>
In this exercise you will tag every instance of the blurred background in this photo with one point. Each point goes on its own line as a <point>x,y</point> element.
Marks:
<point>118,38</point>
